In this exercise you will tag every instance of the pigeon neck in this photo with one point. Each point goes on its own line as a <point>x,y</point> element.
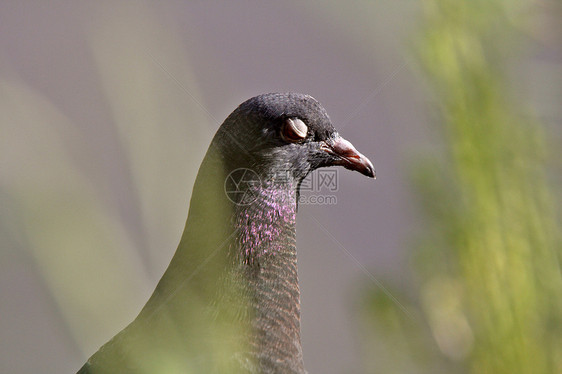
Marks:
<point>244,224</point>
<point>267,224</point>
<point>267,237</point>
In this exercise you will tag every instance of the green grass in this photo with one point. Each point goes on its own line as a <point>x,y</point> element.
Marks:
<point>489,266</point>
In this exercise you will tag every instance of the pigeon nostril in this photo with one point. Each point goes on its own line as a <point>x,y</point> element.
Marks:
<point>344,148</point>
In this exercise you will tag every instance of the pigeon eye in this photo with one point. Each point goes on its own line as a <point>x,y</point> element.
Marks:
<point>294,130</point>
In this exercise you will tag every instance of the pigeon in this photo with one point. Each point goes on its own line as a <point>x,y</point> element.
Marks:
<point>229,301</point>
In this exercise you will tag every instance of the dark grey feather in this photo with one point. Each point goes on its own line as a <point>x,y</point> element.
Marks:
<point>229,300</point>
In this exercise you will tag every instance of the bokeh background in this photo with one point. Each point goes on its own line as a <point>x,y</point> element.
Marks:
<point>449,262</point>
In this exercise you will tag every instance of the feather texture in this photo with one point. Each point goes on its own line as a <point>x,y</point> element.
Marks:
<point>229,300</point>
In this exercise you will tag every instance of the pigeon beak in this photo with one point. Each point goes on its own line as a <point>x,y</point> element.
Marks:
<point>347,156</point>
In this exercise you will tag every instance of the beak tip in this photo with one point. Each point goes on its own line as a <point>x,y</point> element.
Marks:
<point>370,170</point>
<point>351,159</point>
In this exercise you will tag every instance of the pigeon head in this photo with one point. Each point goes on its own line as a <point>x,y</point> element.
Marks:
<point>286,135</point>
<point>229,301</point>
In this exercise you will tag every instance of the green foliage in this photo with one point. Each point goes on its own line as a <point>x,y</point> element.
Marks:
<point>489,272</point>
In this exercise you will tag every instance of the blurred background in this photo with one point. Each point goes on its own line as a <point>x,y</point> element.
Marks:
<point>448,263</point>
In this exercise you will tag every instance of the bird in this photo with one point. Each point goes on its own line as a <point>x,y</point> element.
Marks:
<point>229,301</point>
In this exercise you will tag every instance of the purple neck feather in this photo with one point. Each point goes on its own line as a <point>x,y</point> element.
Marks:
<point>267,225</point>
<point>267,242</point>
